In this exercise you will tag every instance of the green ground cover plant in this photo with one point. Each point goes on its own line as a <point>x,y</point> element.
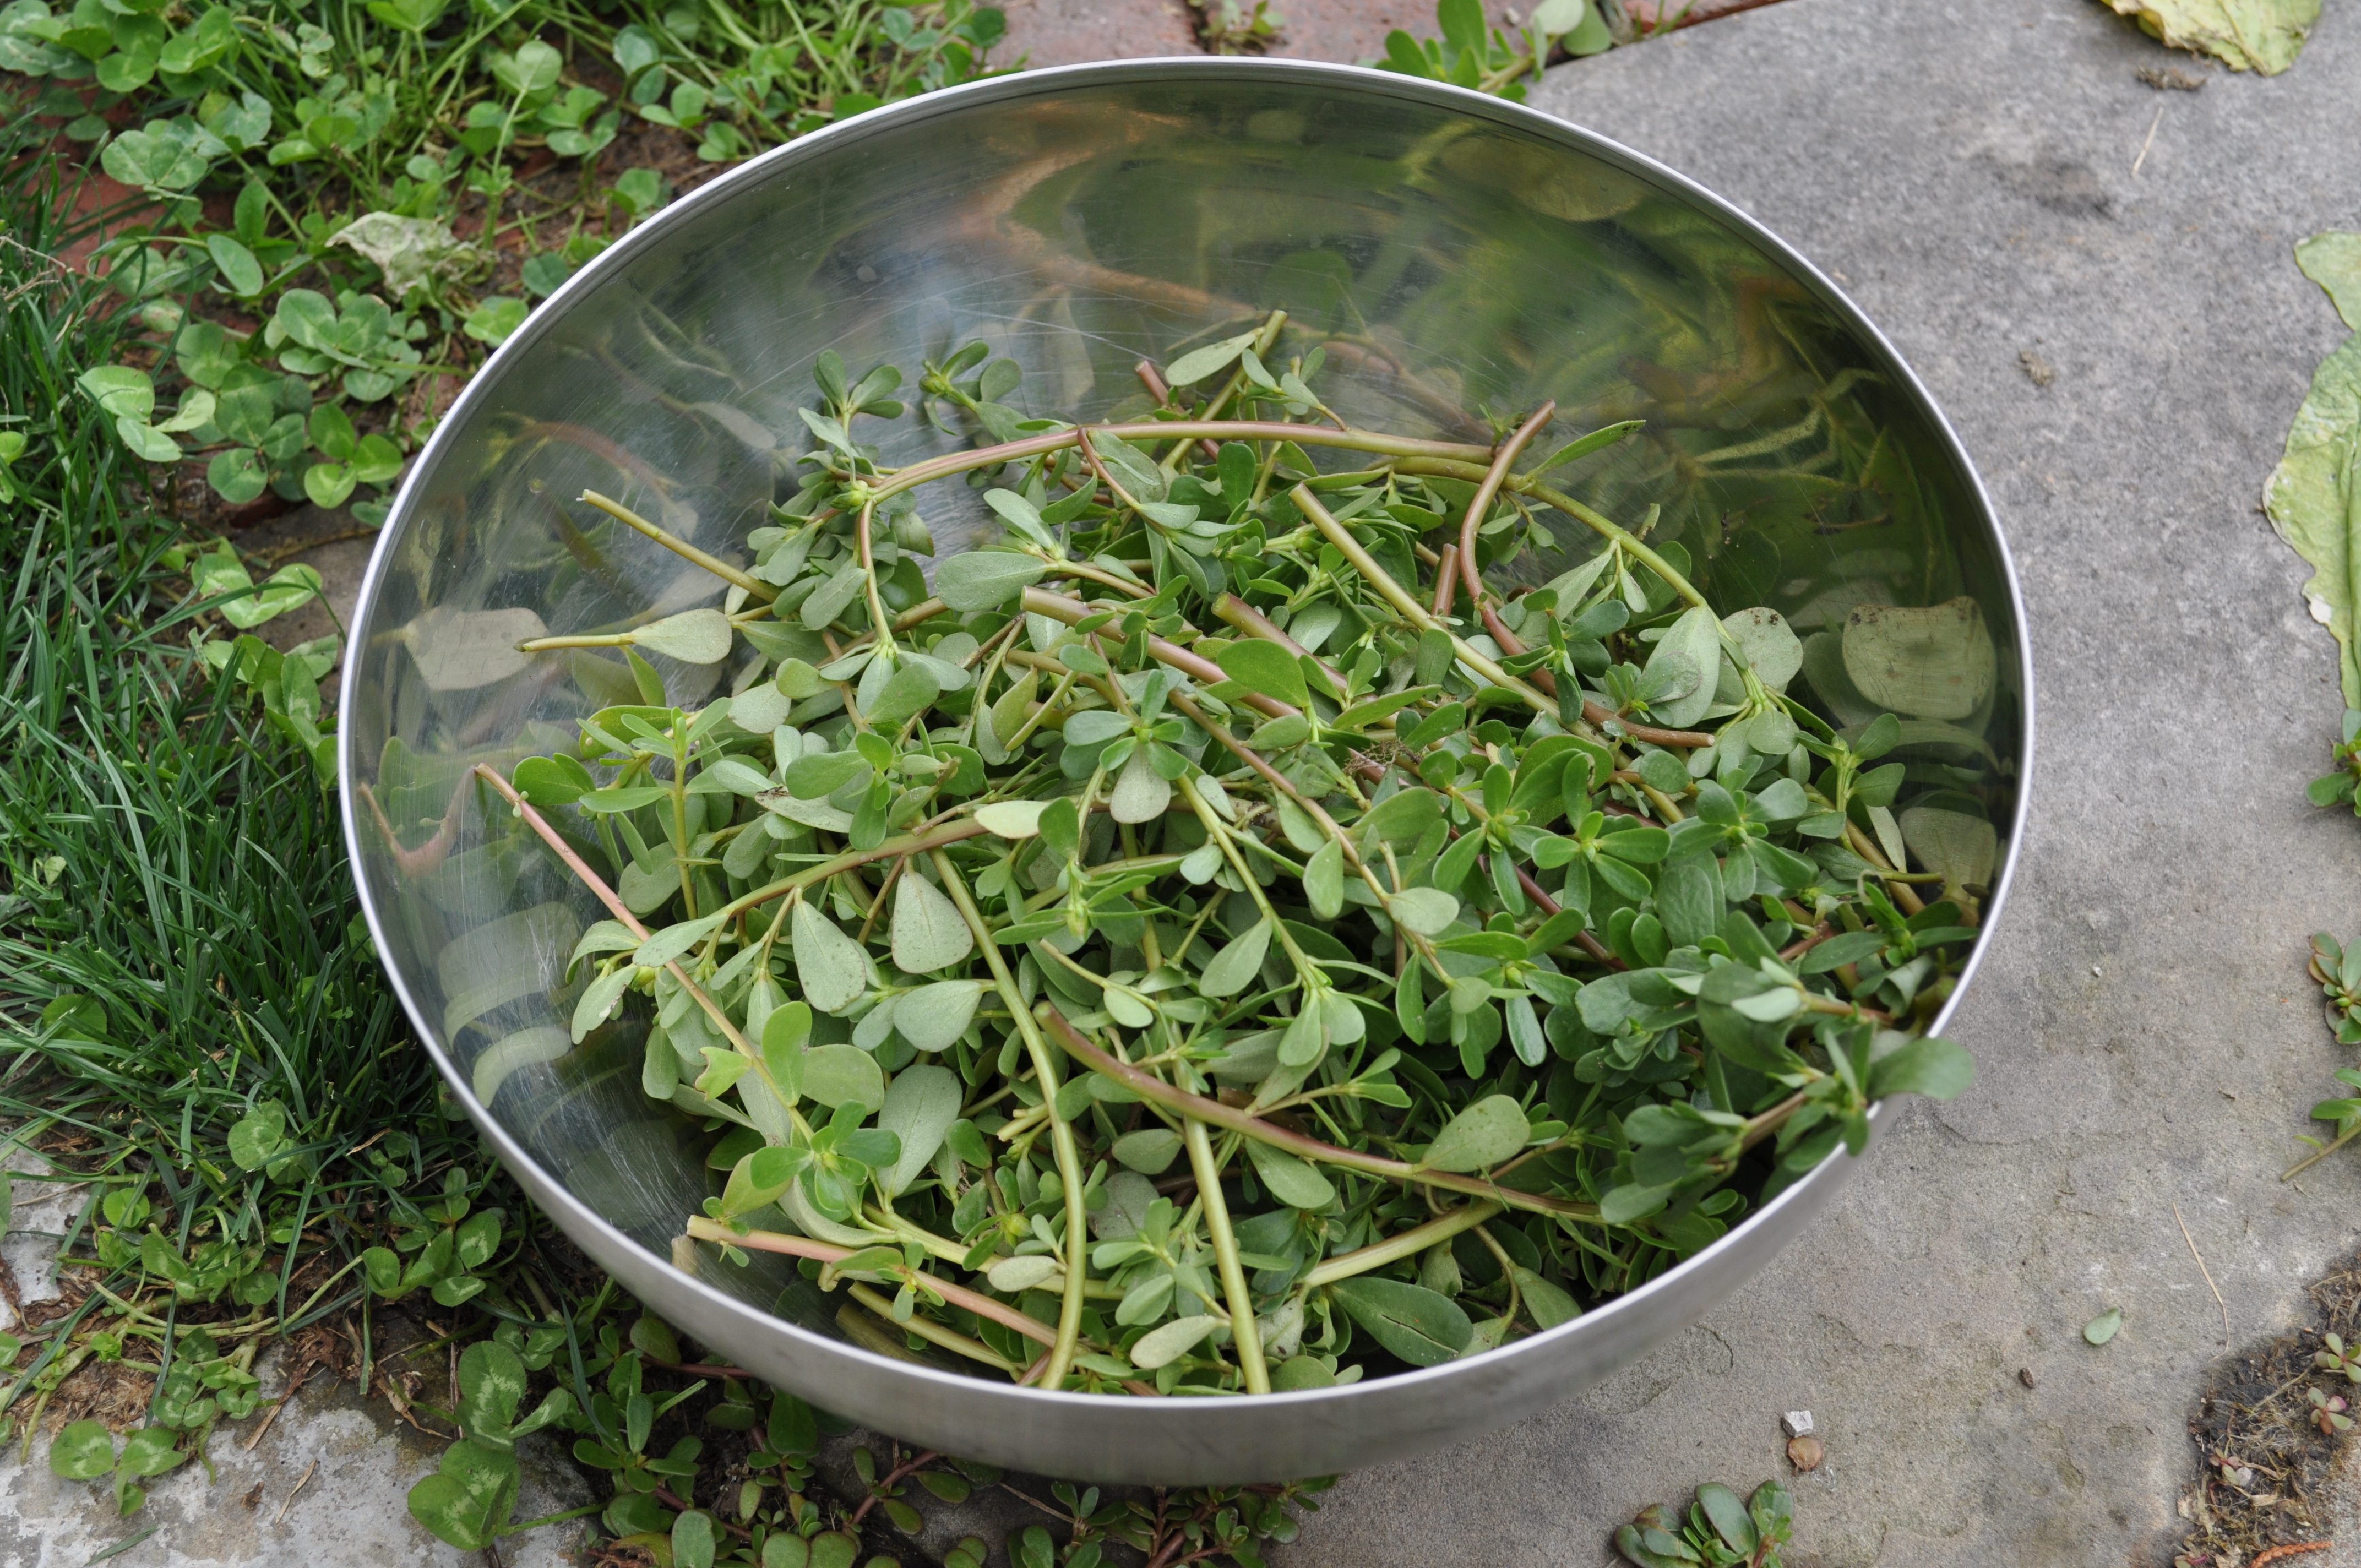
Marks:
<point>1720,1531</point>
<point>197,1036</point>
<point>1473,53</point>
<point>348,203</point>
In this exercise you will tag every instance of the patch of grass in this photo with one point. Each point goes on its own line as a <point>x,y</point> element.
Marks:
<point>189,1022</point>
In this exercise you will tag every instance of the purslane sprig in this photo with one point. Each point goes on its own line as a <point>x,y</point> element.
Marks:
<point>1211,941</point>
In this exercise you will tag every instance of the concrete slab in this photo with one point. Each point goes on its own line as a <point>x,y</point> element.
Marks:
<point>43,1211</point>
<point>1993,181</point>
<point>324,1481</point>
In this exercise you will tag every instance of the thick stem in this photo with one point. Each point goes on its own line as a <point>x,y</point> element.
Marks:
<point>931,1332</point>
<point>755,587</point>
<point>1245,430</point>
<point>1482,501</point>
<point>1867,848</point>
<point>1589,517</point>
<point>1196,666</point>
<point>1313,808</point>
<point>1219,832</point>
<point>1103,578</point>
<point>877,617</point>
<point>680,833</point>
<point>1243,1332</point>
<point>1147,1086</point>
<point>1263,342</point>
<point>1425,619</point>
<point>892,848</point>
<point>1409,1243</point>
<point>623,915</point>
<point>1588,943</point>
<point>1447,582</point>
<point>983,1306</point>
<point>1760,1127</point>
<point>1061,1135</point>
<point>1402,600</point>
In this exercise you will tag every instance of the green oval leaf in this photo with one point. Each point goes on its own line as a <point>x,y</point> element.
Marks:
<point>1265,667</point>
<point>1421,1326</point>
<point>986,579</point>
<point>1162,1347</point>
<point>933,1016</point>
<point>834,970</point>
<point>1295,1182</point>
<point>920,1106</point>
<point>843,1075</point>
<point>238,267</point>
<point>929,933</point>
<point>1484,1134</point>
<point>1425,910</point>
<point>694,636</point>
<point>1235,965</point>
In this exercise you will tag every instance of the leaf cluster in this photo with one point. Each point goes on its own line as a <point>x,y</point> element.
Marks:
<point>1720,1531</point>
<point>1471,53</point>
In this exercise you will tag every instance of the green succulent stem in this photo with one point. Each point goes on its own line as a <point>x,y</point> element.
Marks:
<point>1248,430</point>
<point>1196,1106</point>
<point>1589,516</point>
<point>1061,1133</point>
<point>1245,1333</point>
<point>1417,614</point>
<point>735,576</point>
<point>1401,1245</point>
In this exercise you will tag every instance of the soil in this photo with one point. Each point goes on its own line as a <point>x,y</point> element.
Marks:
<point>2264,1458</point>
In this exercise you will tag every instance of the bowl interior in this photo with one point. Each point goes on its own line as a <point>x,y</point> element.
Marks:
<point>1458,257</point>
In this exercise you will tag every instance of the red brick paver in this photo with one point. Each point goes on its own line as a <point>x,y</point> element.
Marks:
<point>1068,32</point>
<point>1354,31</point>
<point>1650,13</point>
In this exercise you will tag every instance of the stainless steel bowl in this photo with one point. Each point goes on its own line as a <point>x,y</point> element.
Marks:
<point>1466,254</point>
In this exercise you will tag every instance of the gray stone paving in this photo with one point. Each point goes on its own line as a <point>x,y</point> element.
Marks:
<point>1967,172</point>
<point>354,1465</point>
<point>325,1483</point>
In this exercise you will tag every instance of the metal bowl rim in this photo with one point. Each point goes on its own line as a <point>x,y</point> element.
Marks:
<point>1049,82</point>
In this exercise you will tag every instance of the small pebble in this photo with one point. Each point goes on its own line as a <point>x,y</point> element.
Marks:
<point>2025,1376</point>
<point>1804,1454</point>
<point>1797,1422</point>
